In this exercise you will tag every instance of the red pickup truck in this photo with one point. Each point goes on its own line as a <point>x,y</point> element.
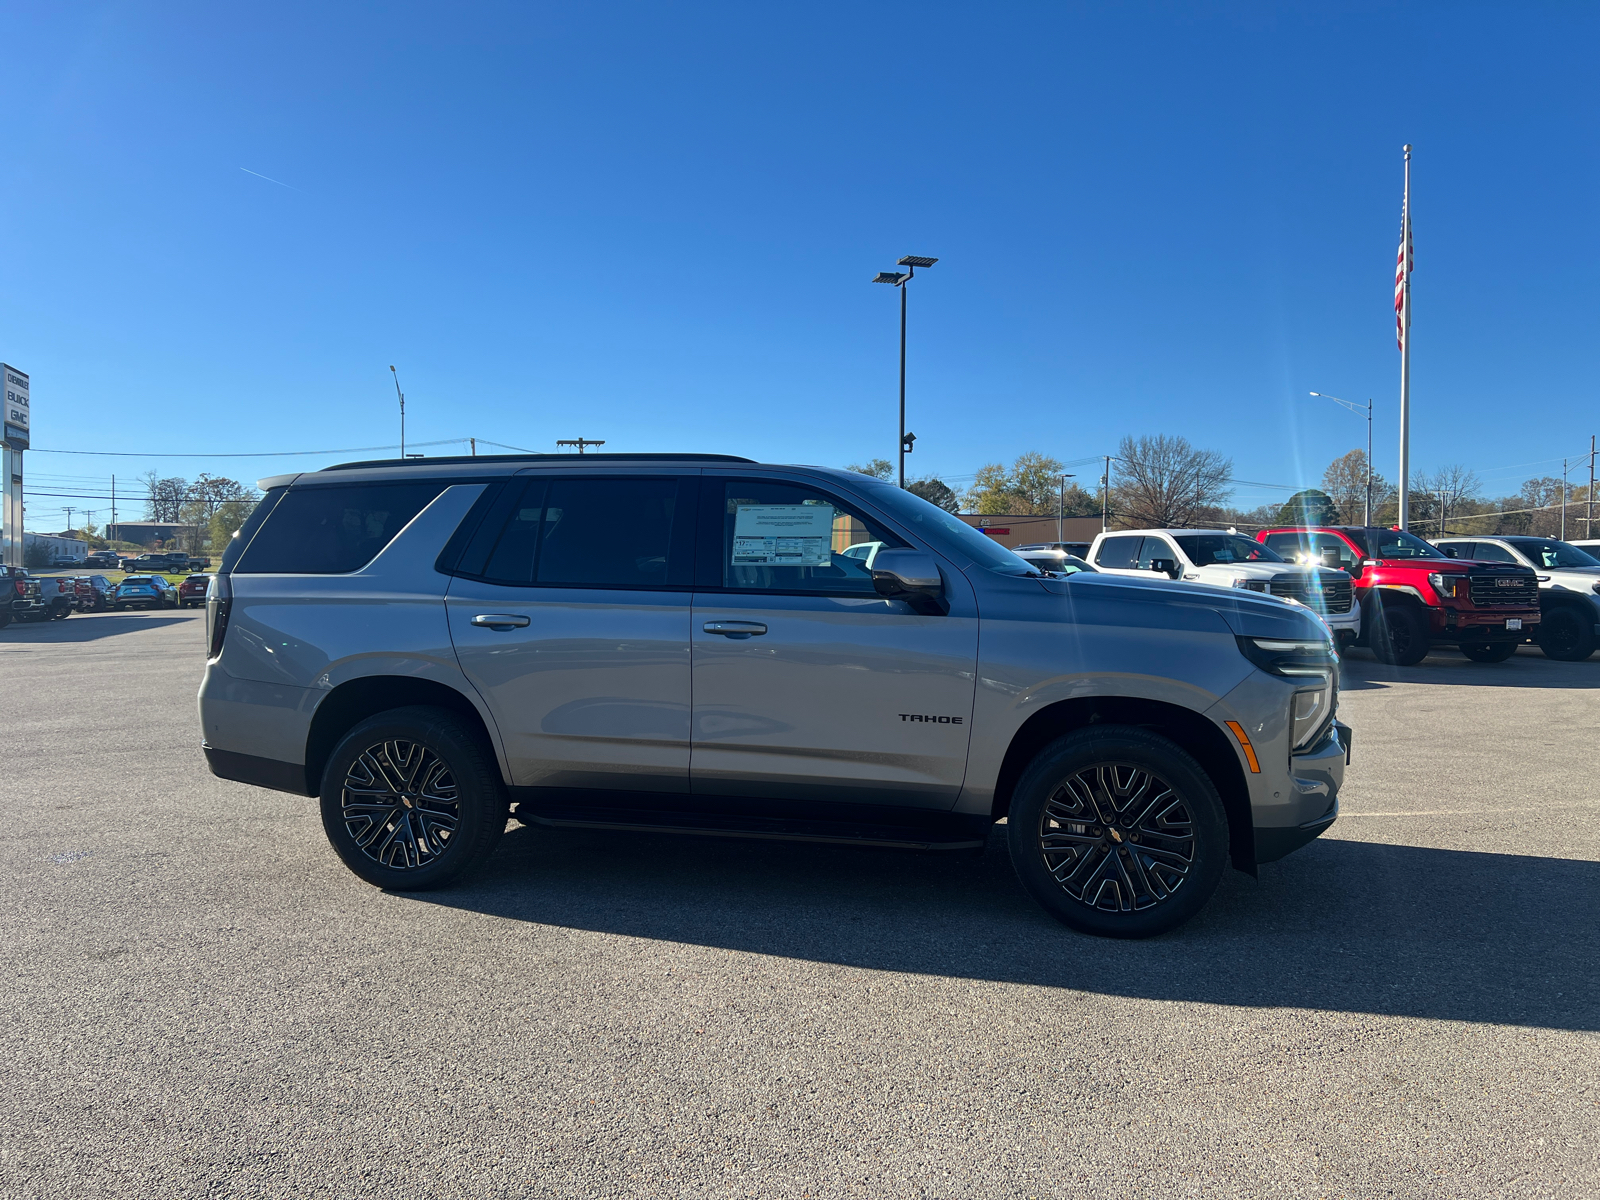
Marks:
<point>1413,596</point>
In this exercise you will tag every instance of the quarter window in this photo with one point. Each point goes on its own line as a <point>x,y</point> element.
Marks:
<point>333,530</point>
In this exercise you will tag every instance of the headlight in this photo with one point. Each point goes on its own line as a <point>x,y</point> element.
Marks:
<point>1445,585</point>
<point>1313,663</point>
<point>1310,712</point>
<point>1252,585</point>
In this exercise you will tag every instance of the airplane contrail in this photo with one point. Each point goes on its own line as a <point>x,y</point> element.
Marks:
<point>269,179</point>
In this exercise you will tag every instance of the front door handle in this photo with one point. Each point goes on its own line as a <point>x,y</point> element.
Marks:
<point>499,621</point>
<point>735,629</point>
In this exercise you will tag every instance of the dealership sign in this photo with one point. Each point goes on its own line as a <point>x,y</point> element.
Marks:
<point>16,408</point>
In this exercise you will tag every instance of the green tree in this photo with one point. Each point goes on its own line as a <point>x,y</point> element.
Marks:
<point>1311,507</point>
<point>1031,486</point>
<point>878,468</point>
<point>225,522</point>
<point>935,491</point>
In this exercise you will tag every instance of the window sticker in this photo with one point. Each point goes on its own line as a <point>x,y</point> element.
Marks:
<point>783,535</point>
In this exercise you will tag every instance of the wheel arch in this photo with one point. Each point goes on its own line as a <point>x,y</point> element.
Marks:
<point>1192,730</point>
<point>357,699</point>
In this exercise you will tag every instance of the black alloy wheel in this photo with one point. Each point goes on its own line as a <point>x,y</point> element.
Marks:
<point>1566,634</point>
<point>1117,831</point>
<point>412,799</point>
<point>1399,636</point>
<point>1488,652</point>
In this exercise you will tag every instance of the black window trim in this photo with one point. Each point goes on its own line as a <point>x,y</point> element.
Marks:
<point>514,487</point>
<point>713,501</point>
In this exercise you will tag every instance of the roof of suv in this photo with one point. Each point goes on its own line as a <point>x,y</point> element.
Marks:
<point>486,462</point>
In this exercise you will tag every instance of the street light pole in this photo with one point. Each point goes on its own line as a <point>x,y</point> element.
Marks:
<point>1105,496</point>
<point>402,396</point>
<point>1061,504</point>
<point>899,279</point>
<point>1358,408</point>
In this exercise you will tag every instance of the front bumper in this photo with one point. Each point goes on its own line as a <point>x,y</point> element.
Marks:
<point>1311,803</point>
<point>1481,625</point>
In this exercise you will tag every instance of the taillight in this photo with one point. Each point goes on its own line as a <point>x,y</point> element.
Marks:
<point>219,599</point>
<point>22,588</point>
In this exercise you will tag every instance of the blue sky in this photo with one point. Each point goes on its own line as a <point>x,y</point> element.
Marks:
<point>656,224</point>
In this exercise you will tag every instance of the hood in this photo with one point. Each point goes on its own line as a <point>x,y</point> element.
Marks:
<point>1253,570</point>
<point>1247,614</point>
<point>1572,579</point>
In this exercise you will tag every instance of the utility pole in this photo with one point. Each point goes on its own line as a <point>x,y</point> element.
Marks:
<point>113,530</point>
<point>580,443</point>
<point>474,442</point>
<point>1105,496</point>
<point>1588,518</point>
<point>402,396</point>
<point>70,511</point>
<point>1563,499</point>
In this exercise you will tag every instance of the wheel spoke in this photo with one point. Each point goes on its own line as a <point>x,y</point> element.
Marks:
<point>400,804</point>
<point>1117,837</point>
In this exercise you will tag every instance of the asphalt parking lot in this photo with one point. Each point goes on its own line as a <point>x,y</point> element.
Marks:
<point>201,1001</point>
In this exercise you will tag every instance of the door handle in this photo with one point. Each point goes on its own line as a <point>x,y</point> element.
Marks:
<point>735,629</point>
<point>499,621</point>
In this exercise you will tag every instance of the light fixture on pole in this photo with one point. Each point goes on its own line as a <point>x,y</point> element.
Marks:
<point>1061,504</point>
<point>1359,408</point>
<point>899,279</point>
<point>402,396</point>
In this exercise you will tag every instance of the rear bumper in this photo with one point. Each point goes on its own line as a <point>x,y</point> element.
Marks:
<point>262,772</point>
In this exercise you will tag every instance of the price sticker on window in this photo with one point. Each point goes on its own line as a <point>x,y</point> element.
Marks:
<point>783,535</point>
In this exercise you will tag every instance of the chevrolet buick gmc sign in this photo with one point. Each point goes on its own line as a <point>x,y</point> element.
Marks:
<point>16,407</point>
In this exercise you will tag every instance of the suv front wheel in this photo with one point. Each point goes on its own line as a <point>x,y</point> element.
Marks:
<point>1117,831</point>
<point>412,799</point>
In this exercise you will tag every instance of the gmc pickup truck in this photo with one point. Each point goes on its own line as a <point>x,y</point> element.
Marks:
<point>1412,596</point>
<point>19,595</point>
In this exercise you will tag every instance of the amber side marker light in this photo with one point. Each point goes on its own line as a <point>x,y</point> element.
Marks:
<point>1244,741</point>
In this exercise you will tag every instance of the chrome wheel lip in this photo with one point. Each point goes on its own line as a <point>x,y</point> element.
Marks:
<point>400,804</point>
<point>1117,837</point>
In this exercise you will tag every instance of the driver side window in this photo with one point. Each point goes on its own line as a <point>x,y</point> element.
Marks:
<point>787,537</point>
<point>1489,552</point>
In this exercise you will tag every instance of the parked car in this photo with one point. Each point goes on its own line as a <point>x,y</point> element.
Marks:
<point>20,597</point>
<point>1413,596</point>
<point>1228,559</point>
<point>94,593</point>
<point>1569,587</point>
<point>1058,562</point>
<point>192,591</point>
<point>59,594</point>
<point>169,562</point>
<point>105,560</point>
<point>144,591</point>
<point>607,614</point>
<point>1081,549</point>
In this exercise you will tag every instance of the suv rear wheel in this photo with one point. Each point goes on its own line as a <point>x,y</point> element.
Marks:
<point>411,799</point>
<point>1399,636</point>
<point>1566,634</point>
<point>1117,831</point>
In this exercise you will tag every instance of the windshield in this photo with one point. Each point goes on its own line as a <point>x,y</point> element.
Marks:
<point>1396,543</point>
<point>1209,549</point>
<point>949,528</point>
<point>1547,552</point>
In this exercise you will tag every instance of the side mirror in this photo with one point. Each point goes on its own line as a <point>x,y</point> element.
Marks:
<point>912,576</point>
<point>1452,551</point>
<point>1167,566</point>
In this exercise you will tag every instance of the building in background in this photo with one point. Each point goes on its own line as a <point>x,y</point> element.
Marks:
<point>157,535</point>
<point>58,548</point>
<point>13,441</point>
<point>1013,531</point>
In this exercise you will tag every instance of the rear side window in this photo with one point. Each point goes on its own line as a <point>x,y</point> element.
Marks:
<point>1118,553</point>
<point>333,530</point>
<point>600,532</point>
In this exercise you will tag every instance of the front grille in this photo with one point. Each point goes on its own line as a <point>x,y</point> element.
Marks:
<point>1325,591</point>
<point>1503,589</point>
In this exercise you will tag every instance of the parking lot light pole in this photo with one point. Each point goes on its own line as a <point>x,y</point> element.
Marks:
<point>1366,518</point>
<point>402,396</point>
<point>1061,504</point>
<point>899,279</point>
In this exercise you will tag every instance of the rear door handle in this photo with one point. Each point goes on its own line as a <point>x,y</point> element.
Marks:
<point>735,629</point>
<point>499,621</point>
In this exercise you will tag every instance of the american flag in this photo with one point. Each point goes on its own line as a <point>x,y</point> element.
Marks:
<point>1403,263</point>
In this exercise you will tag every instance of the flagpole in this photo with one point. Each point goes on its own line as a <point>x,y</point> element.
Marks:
<point>1405,351</point>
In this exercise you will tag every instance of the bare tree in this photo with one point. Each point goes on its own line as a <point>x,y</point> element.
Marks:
<point>1345,481</point>
<point>1163,482</point>
<point>164,497</point>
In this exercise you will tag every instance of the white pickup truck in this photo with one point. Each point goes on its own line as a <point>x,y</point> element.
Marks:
<point>1227,559</point>
<point>1569,586</point>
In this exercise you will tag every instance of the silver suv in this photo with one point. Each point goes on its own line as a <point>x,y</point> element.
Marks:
<point>681,643</point>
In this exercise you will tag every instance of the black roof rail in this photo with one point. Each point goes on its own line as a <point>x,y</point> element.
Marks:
<point>459,459</point>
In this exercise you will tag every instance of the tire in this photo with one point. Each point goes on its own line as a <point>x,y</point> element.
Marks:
<point>1566,635</point>
<point>61,612</point>
<point>1399,635</point>
<point>1488,652</point>
<point>388,838</point>
<point>1110,770</point>
<point>5,619</point>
